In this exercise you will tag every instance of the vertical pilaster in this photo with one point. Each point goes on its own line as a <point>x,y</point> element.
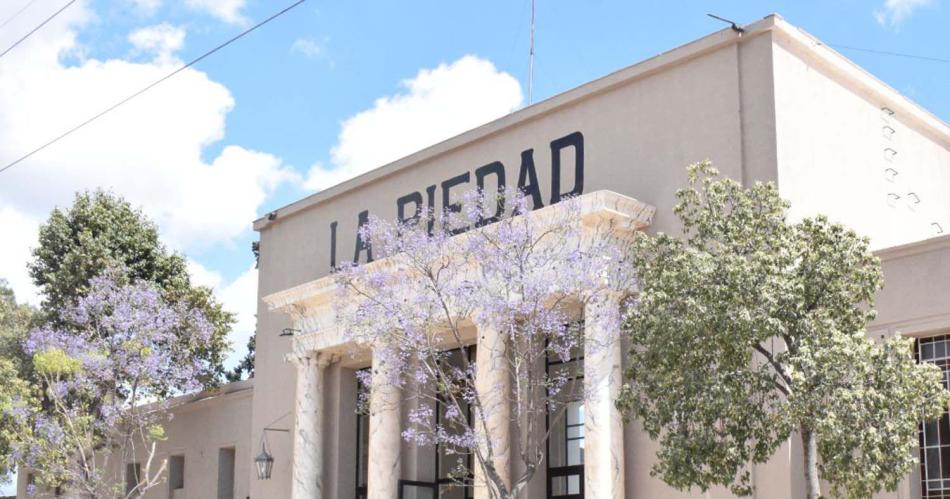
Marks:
<point>493,383</point>
<point>385,438</point>
<point>308,441</point>
<point>603,425</point>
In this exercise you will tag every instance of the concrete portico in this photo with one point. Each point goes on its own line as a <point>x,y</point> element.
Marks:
<point>320,343</point>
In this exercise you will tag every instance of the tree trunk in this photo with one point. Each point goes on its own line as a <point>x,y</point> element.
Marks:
<point>810,454</point>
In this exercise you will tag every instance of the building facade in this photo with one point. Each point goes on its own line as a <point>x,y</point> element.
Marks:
<point>770,103</point>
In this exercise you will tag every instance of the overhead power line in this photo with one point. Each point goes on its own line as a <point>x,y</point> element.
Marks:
<point>17,14</point>
<point>150,86</point>
<point>885,52</point>
<point>34,30</point>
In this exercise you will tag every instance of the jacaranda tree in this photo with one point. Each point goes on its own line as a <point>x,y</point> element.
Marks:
<point>751,328</point>
<point>102,230</point>
<point>517,277</point>
<point>104,373</point>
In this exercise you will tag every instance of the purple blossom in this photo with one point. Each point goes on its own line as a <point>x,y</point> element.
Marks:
<point>122,351</point>
<point>522,276</point>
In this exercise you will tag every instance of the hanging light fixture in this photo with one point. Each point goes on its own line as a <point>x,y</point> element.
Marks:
<point>264,462</point>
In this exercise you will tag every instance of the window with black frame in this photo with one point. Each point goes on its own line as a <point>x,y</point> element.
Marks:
<point>453,466</point>
<point>935,435</point>
<point>565,446</point>
<point>362,435</point>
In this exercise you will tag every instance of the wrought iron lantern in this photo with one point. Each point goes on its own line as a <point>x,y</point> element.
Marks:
<point>264,462</point>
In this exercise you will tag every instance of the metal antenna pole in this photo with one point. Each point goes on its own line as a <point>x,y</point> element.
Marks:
<point>531,60</point>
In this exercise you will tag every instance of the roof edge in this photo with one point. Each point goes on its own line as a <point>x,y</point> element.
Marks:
<point>855,77</point>
<point>915,248</point>
<point>673,57</point>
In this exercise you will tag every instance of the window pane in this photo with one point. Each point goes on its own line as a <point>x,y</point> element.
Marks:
<point>935,435</point>
<point>933,463</point>
<point>452,491</point>
<point>945,430</point>
<point>565,485</point>
<point>575,452</point>
<point>565,457</point>
<point>574,484</point>
<point>417,492</point>
<point>931,437</point>
<point>575,413</point>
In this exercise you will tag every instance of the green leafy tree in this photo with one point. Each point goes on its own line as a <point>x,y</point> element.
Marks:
<point>102,230</point>
<point>16,319</point>
<point>750,328</point>
<point>245,368</point>
<point>16,403</point>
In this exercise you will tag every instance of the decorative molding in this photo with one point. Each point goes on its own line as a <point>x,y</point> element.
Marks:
<point>310,304</point>
<point>915,327</point>
<point>929,245</point>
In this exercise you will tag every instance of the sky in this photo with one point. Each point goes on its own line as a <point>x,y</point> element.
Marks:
<point>328,91</point>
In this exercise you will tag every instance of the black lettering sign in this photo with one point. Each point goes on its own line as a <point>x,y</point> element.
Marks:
<point>456,207</point>
<point>412,197</point>
<point>362,245</point>
<point>528,185</point>
<point>528,179</point>
<point>497,169</point>
<point>333,246</point>
<point>575,140</point>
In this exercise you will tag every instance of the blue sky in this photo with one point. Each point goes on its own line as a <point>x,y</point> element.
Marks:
<point>325,85</point>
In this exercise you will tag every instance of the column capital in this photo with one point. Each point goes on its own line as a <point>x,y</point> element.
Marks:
<point>308,358</point>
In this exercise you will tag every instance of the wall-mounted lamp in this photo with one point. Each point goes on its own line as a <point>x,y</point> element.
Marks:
<point>265,461</point>
<point>289,331</point>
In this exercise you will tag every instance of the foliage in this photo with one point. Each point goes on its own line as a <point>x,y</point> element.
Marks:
<point>102,231</point>
<point>524,277</point>
<point>16,319</point>
<point>749,328</point>
<point>104,373</point>
<point>245,368</point>
<point>16,402</point>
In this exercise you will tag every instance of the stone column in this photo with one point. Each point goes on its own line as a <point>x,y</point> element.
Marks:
<point>493,383</point>
<point>603,425</point>
<point>308,441</point>
<point>385,438</point>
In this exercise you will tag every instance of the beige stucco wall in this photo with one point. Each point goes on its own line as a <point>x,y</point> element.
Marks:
<point>841,155</point>
<point>763,106</point>
<point>641,127</point>
<point>200,425</point>
<point>199,429</point>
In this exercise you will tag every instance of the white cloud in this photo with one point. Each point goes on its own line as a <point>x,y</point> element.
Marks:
<point>147,7</point>
<point>149,150</point>
<point>240,297</point>
<point>228,11</point>
<point>308,47</point>
<point>895,12</point>
<point>201,275</point>
<point>161,40</point>
<point>435,105</point>
<point>20,236</point>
